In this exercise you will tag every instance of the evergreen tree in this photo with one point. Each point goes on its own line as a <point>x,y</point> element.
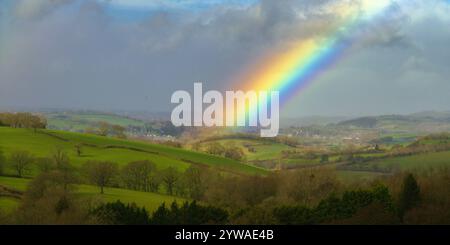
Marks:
<point>117,213</point>
<point>190,213</point>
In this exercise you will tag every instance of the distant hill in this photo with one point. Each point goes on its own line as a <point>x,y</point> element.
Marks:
<point>363,122</point>
<point>310,120</point>
<point>134,124</point>
<point>78,121</point>
<point>423,121</point>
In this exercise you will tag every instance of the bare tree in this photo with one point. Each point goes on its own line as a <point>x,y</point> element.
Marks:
<point>21,161</point>
<point>138,175</point>
<point>170,177</point>
<point>60,158</point>
<point>194,182</point>
<point>61,162</point>
<point>101,173</point>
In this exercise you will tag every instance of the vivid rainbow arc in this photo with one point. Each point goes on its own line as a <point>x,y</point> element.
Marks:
<point>291,71</point>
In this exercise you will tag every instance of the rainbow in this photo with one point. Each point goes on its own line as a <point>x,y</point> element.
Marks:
<point>291,71</point>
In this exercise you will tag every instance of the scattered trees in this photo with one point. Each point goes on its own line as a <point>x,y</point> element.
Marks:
<point>248,199</point>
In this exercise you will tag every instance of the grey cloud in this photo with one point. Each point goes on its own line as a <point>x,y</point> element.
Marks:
<point>89,60</point>
<point>30,9</point>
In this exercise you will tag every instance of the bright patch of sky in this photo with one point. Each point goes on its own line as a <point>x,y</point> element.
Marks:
<point>139,9</point>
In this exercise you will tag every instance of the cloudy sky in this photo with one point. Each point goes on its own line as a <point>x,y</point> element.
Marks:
<point>133,54</point>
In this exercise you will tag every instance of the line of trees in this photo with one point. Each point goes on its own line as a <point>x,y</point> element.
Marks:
<point>23,120</point>
<point>144,176</point>
<point>108,129</point>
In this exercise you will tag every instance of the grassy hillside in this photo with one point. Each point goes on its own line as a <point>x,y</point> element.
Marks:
<point>149,200</point>
<point>43,142</point>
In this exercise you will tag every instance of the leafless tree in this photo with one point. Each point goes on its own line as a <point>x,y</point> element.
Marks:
<point>101,173</point>
<point>21,161</point>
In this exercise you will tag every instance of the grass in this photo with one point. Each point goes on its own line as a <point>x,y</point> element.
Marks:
<point>150,201</point>
<point>14,183</point>
<point>8,204</point>
<point>44,142</point>
<point>435,159</point>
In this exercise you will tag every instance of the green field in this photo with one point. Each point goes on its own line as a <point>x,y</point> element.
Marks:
<point>80,121</point>
<point>420,161</point>
<point>8,204</point>
<point>149,200</point>
<point>44,142</point>
<point>263,149</point>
